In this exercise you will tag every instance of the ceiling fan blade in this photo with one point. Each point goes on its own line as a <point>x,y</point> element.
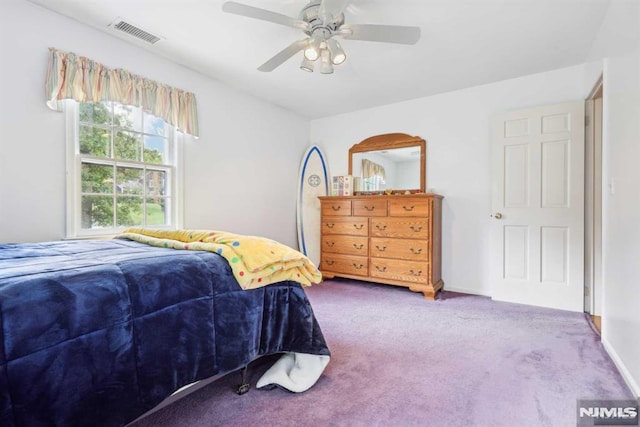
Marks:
<point>280,57</point>
<point>262,14</point>
<point>331,9</point>
<point>381,33</point>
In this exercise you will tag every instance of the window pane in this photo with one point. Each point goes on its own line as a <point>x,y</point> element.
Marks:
<point>156,183</point>
<point>155,125</point>
<point>126,166</point>
<point>99,113</point>
<point>157,211</point>
<point>129,181</point>
<point>129,211</point>
<point>97,178</point>
<point>127,116</point>
<point>127,146</point>
<point>155,149</point>
<point>95,141</point>
<point>97,211</point>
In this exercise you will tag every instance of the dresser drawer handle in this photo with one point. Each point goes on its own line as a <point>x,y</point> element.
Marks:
<point>413,273</point>
<point>330,244</point>
<point>381,227</point>
<point>357,266</point>
<point>415,228</point>
<point>358,226</point>
<point>370,208</point>
<point>329,262</point>
<point>381,249</point>
<point>382,270</point>
<point>358,246</point>
<point>416,251</point>
<point>336,208</point>
<point>408,208</point>
<point>329,225</point>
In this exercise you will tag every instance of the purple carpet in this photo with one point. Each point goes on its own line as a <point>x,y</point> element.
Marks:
<point>400,360</point>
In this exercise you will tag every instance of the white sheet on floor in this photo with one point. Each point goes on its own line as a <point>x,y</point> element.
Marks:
<point>296,372</point>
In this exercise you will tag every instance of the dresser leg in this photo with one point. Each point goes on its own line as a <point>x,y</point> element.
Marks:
<point>430,292</point>
<point>430,295</point>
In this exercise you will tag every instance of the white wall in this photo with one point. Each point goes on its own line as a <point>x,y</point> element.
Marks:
<point>407,174</point>
<point>240,175</point>
<point>456,126</point>
<point>618,41</point>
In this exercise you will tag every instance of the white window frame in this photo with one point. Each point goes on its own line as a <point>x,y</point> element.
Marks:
<point>74,228</point>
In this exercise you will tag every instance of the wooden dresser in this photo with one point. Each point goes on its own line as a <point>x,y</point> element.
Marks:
<point>392,239</point>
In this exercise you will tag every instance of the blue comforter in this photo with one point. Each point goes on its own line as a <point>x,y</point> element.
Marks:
<point>98,332</point>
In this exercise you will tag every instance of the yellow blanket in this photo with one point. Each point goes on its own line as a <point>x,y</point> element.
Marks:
<point>255,261</point>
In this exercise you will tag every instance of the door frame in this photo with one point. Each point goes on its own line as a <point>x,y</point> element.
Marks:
<point>593,201</point>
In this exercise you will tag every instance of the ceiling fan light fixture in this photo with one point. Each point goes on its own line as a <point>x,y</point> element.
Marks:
<point>312,51</point>
<point>325,62</point>
<point>321,20</point>
<point>311,54</point>
<point>307,65</point>
<point>337,53</point>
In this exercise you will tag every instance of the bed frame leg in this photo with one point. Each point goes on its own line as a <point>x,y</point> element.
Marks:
<point>244,385</point>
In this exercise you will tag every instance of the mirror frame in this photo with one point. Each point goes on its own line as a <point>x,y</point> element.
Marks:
<point>390,141</point>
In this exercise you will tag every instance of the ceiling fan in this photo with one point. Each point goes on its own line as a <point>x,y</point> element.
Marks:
<point>322,21</point>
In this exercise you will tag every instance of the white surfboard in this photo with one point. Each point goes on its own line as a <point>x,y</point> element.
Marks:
<point>313,181</point>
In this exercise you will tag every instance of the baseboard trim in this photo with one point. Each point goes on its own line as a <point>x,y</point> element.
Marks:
<point>626,375</point>
<point>465,291</point>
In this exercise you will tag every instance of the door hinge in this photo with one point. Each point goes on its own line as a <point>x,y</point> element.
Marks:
<point>586,291</point>
<point>587,120</point>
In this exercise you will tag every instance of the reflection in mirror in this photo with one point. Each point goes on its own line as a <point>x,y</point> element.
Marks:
<point>390,162</point>
<point>380,170</point>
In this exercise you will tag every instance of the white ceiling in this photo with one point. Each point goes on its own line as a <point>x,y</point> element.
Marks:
<point>464,43</point>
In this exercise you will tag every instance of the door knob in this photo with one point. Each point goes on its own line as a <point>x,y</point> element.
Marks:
<point>498,215</point>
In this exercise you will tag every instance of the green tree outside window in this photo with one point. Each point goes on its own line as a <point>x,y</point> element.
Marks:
<point>124,166</point>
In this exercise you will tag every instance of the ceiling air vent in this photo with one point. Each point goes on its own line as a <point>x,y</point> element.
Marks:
<point>134,31</point>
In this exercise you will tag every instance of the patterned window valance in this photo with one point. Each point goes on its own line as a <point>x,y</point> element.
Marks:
<point>370,169</point>
<point>71,76</point>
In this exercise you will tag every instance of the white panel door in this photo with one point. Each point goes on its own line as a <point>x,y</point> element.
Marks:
<point>537,224</point>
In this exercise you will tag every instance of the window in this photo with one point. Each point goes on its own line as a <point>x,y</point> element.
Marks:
<point>373,176</point>
<point>122,169</point>
<point>373,183</point>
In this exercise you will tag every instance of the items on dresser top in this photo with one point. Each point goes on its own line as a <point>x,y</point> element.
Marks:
<point>393,239</point>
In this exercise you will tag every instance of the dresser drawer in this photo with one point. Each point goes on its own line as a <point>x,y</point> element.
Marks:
<point>336,207</point>
<point>409,207</point>
<point>370,207</point>
<point>412,228</point>
<point>405,249</point>
<point>349,245</point>
<point>345,225</point>
<point>345,264</point>
<point>408,271</point>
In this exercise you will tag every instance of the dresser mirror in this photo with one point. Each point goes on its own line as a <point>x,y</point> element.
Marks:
<point>389,163</point>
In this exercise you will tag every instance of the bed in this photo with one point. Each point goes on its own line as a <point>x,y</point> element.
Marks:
<point>98,332</point>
